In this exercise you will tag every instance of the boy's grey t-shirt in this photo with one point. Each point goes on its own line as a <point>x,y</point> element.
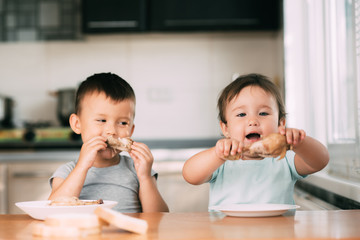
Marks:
<point>117,183</point>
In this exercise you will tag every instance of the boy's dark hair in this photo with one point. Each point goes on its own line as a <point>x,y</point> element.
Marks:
<point>111,84</point>
<point>234,88</point>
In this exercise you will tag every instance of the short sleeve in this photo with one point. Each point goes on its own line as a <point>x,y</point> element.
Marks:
<point>154,174</point>
<point>290,158</point>
<point>215,174</point>
<point>63,171</point>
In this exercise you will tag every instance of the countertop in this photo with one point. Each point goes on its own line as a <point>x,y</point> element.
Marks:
<point>341,192</point>
<point>66,155</point>
<point>339,224</point>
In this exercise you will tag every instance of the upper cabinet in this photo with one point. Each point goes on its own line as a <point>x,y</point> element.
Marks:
<point>180,15</point>
<point>101,16</point>
<point>185,15</point>
<point>32,20</point>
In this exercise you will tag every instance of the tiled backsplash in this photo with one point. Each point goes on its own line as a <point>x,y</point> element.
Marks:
<point>176,77</point>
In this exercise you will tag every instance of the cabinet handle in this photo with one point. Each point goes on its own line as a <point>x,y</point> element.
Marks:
<point>31,175</point>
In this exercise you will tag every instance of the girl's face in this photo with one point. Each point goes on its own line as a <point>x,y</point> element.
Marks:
<point>253,113</point>
<point>101,116</point>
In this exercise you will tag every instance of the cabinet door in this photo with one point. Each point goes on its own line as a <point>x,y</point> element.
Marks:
<point>100,16</point>
<point>215,14</point>
<point>29,182</point>
<point>179,195</point>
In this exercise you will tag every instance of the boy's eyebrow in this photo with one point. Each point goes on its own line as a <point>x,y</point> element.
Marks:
<point>104,115</point>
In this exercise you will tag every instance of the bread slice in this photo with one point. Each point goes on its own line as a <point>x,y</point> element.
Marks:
<point>42,230</point>
<point>80,220</point>
<point>121,220</point>
<point>68,225</point>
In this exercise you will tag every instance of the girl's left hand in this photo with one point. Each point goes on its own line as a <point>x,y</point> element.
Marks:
<point>143,159</point>
<point>293,136</point>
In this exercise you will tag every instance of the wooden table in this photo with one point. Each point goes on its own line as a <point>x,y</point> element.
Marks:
<point>303,225</point>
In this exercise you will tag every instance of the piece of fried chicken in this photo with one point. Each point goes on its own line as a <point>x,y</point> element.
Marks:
<point>273,145</point>
<point>121,144</point>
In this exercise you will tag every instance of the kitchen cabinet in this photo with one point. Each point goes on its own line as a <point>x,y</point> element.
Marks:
<point>180,15</point>
<point>3,192</point>
<point>24,176</point>
<point>172,15</point>
<point>179,195</point>
<point>113,15</point>
<point>28,182</point>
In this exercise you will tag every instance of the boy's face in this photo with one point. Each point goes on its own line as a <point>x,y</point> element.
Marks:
<point>251,114</point>
<point>101,116</point>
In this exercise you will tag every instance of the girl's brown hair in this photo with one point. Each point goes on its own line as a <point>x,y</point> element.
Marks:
<point>234,88</point>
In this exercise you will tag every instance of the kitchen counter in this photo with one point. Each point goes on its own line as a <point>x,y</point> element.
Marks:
<point>303,225</point>
<point>340,192</point>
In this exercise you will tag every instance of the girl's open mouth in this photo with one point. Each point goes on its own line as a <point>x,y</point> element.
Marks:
<point>253,137</point>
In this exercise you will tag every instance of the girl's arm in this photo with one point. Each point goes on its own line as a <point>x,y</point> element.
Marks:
<point>199,168</point>
<point>311,155</point>
<point>149,195</point>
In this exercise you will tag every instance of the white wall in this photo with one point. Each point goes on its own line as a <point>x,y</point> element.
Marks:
<point>176,77</point>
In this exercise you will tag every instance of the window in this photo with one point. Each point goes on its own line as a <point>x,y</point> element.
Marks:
<point>322,76</point>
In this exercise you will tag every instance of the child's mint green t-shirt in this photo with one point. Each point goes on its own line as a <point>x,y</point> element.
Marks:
<point>254,181</point>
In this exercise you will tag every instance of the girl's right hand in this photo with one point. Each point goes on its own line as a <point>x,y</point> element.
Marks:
<point>228,147</point>
<point>89,151</point>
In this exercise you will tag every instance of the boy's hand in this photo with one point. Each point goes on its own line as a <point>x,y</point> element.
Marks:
<point>143,159</point>
<point>293,136</point>
<point>89,150</point>
<point>228,147</point>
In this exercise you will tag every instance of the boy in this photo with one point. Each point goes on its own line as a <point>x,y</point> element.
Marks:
<point>250,107</point>
<point>105,106</point>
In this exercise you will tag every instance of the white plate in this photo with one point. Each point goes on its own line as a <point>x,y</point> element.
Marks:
<point>254,210</point>
<point>41,209</point>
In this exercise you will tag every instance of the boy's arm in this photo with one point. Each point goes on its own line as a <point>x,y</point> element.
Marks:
<point>72,185</point>
<point>69,187</point>
<point>311,156</point>
<point>200,167</point>
<point>150,197</point>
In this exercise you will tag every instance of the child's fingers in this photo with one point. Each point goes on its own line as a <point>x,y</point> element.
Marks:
<point>282,130</point>
<point>141,147</point>
<point>235,147</point>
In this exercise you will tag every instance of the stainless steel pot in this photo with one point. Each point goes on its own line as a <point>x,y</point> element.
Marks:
<point>65,105</point>
<point>6,112</point>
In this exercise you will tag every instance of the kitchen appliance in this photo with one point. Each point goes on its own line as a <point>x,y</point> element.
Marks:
<point>65,104</point>
<point>6,112</point>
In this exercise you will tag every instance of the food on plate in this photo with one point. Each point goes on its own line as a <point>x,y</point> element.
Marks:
<point>121,144</point>
<point>73,201</point>
<point>273,145</point>
<point>121,220</point>
<point>68,225</point>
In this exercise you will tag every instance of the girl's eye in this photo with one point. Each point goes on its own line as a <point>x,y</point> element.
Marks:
<point>263,114</point>
<point>101,120</point>
<point>241,115</point>
<point>123,123</point>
